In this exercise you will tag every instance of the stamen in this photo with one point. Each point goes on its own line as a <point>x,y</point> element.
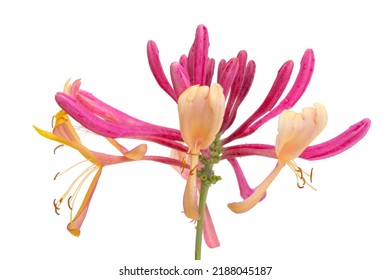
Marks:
<point>53,119</point>
<point>183,164</point>
<point>299,170</point>
<point>70,197</point>
<point>86,175</point>
<point>59,146</point>
<point>56,207</point>
<point>55,177</point>
<point>311,175</point>
<point>300,175</point>
<point>192,171</point>
<point>61,173</point>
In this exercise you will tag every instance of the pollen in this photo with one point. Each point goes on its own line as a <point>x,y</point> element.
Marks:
<point>303,178</point>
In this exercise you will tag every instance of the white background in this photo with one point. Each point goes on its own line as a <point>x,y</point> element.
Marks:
<point>339,232</point>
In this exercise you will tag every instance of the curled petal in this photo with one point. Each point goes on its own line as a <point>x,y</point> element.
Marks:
<point>210,236</point>
<point>245,190</point>
<point>75,145</point>
<point>257,195</point>
<point>136,153</point>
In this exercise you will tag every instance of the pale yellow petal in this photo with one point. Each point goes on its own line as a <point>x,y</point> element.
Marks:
<point>251,201</point>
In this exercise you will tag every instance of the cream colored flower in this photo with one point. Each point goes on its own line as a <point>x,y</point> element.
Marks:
<point>201,110</point>
<point>295,132</point>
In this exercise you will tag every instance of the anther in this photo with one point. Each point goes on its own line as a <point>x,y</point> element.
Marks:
<point>55,177</point>
<point>183,164</point>
<point>70,207</point>
<point>56,208</point>
<point>311,175</point>
<point>52,121</point>
<point>59,146</point>
<point>192,171</point>
<point>299,170</point>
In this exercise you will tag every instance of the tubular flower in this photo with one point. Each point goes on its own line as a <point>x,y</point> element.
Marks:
<point>65,133</point>
<point>201,111</point>
<point>206,114</point>
<point>295,132</point>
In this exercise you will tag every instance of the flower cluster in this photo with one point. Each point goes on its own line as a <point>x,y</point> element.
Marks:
<point>206,111</point>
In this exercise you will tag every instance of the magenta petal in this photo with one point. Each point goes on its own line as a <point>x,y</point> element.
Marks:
<point>244,90</point>
<point>209,71</point>
<point>103,110</point>
<point>295,93</point>
<point>221,67</point>
<point>157,70</point>
<point>110,129</point>
<point>245,190</point>
<point>273,96</point>
<point>227,74</point>
<point>209,233</point>
<point>330,148</point>
<point>179,77</point>
<point>339,143</point>
<point>242,150</point>
<point>198,56</point>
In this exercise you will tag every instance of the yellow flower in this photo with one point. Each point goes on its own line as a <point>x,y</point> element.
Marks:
<point>201,110</point>
<point>65,133</point>
<point>295,132</point>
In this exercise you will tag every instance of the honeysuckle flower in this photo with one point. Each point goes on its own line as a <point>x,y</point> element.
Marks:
<point>201,110</point>
<point>201,141</point>
<point>295,132</point>
<point>236,76</point>
<point>65,133</point>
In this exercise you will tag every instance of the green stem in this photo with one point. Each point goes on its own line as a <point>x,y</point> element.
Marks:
<point>204,188</point>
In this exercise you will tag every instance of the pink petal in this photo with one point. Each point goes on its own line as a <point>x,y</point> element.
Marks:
<point>110,129</point>
<point>209,71</point>
<point>245,190</point>
<point>246,84</point>
<point>157,70</point>
<point>258,194</point>
<point>228,71</point>
<point>273,96</point>
<point>209,233</point>
<point>198,56</point>
<point>295,93</point>
<point>179,77</point>
<point>338,144</point>
<point>330,148</point>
